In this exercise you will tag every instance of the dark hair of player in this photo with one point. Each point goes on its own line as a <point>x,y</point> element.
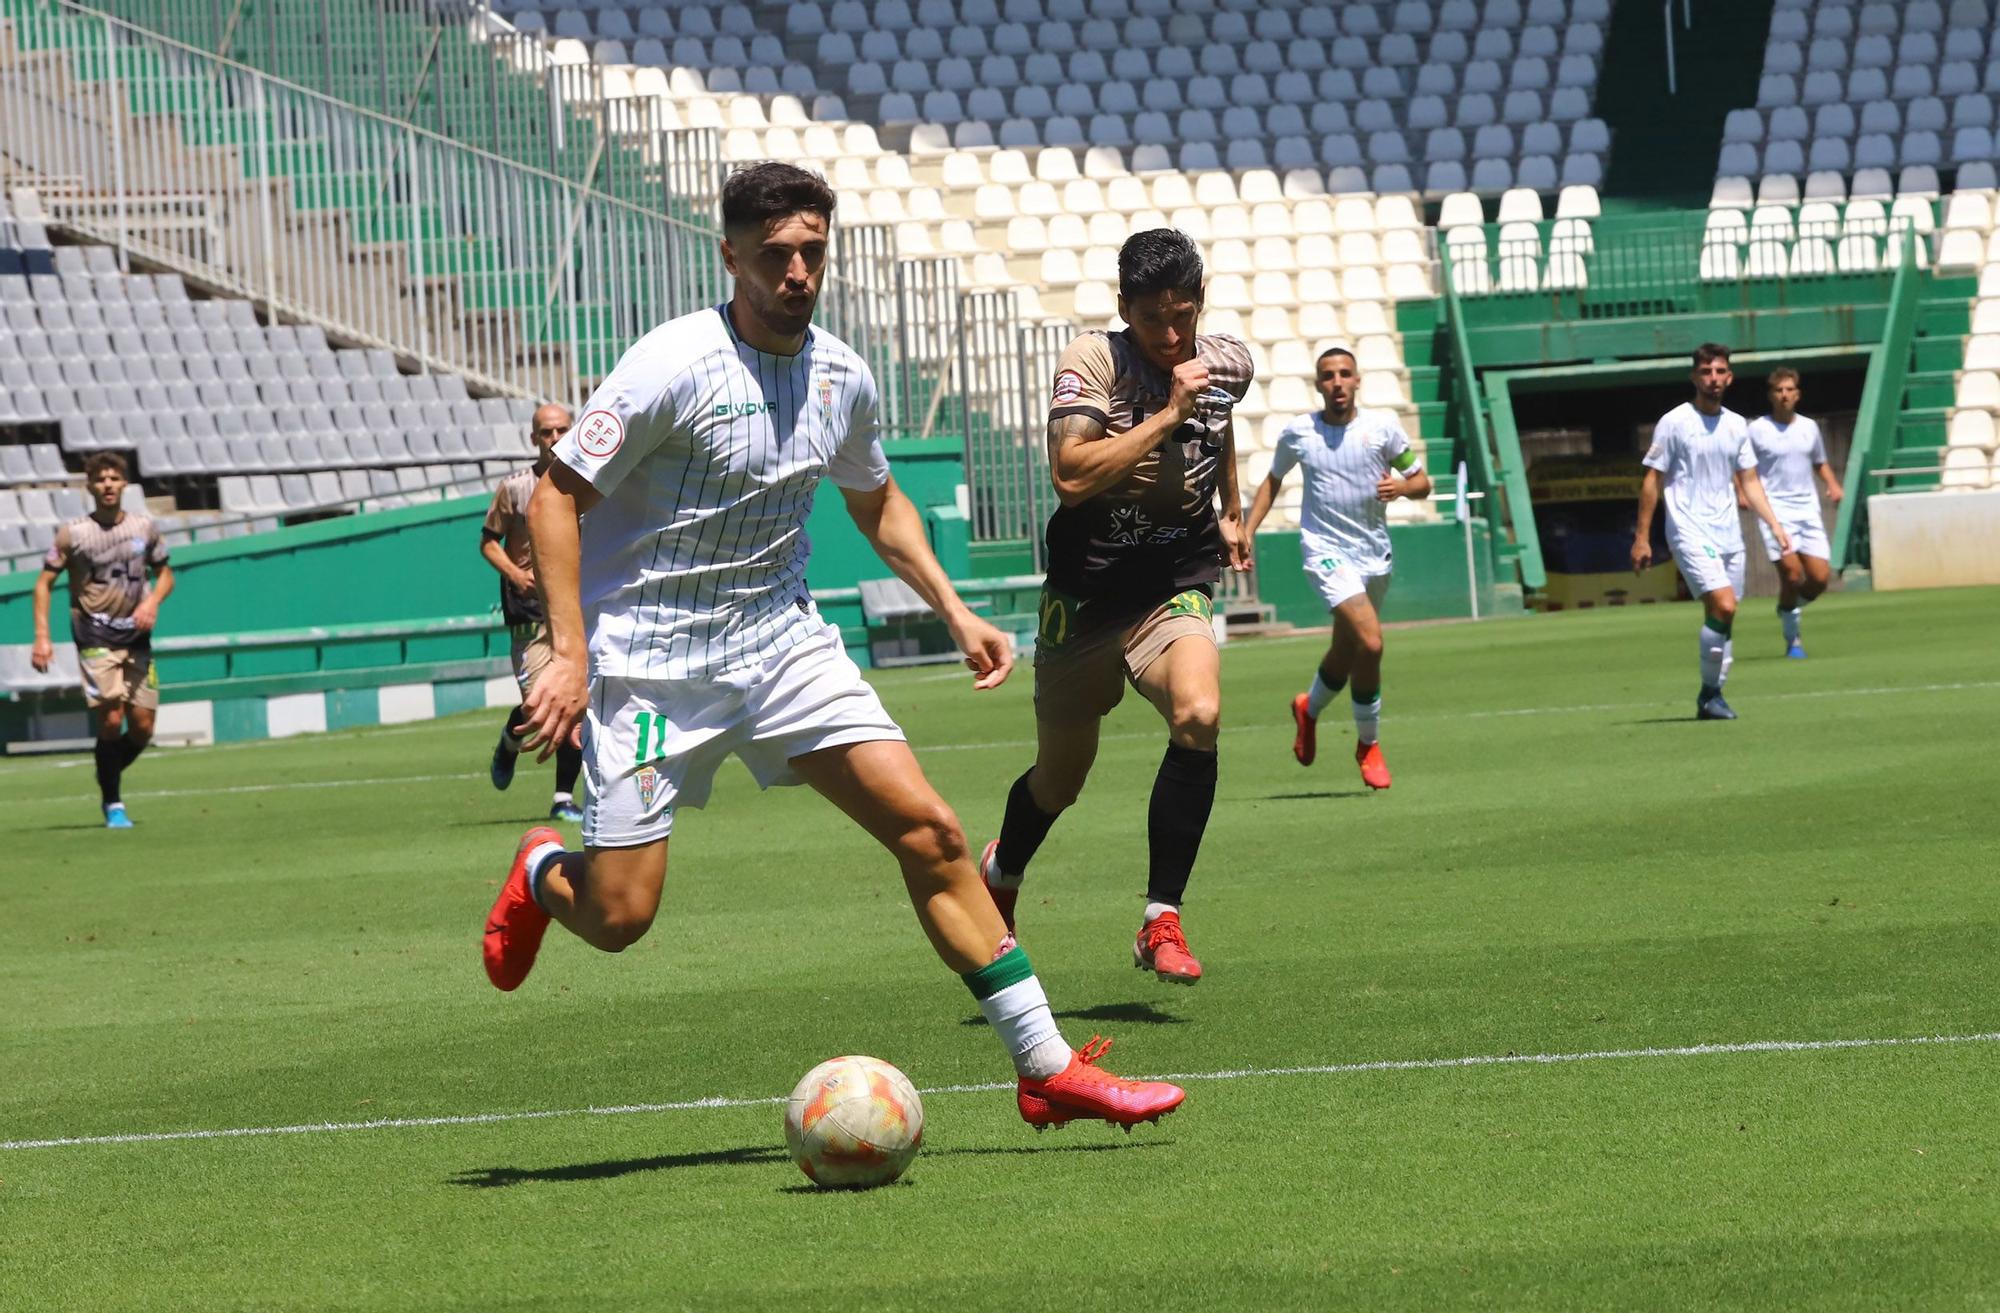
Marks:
<point>1333,351</point>
<point>1782,374</point>
<point>753,196</point>
<point>106,460</point>
<point>1158,260</point>
<point>1708,351</point>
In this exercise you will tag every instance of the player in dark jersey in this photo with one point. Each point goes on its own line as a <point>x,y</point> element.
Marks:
<point>1140,447</point>
<point>111,616</point>
<point>503,541</point>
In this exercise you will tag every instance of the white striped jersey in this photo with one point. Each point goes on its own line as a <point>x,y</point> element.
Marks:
<point>1339,513</point>
<point>1786,458</point>
<point>707,452</point>
<point>1698,456</point>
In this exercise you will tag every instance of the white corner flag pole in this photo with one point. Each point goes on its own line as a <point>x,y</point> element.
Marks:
<point>1462,510</point>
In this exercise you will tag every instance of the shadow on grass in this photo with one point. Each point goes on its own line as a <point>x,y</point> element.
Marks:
<point>1313,797</point>
<point>1663,720</point>
<point>1120,1146</point>
<point>1139,1013</point>
<point>487,1178</point>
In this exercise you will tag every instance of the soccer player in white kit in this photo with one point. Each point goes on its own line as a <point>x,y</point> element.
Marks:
<point>1700,461</point>
<point>697,460</point>
<point>1356,462</point>
<point>1790,451</point>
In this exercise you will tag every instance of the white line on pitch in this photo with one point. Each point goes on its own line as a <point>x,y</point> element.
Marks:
<point>1241,1073</point>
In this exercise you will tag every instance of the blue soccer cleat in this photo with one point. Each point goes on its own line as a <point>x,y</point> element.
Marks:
<point>566,811</point>
<point>502,770</point>
<point>1796,652</point>
<point>115,817</point>
<point>1712,707</point>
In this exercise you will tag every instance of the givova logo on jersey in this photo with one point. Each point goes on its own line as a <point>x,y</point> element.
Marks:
<point>744,409</point>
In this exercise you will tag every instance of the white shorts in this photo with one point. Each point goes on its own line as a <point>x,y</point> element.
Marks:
<point>650,746</point>
<point>1707,567</point>
<point>1338,579</point>
<point>1807,532</point>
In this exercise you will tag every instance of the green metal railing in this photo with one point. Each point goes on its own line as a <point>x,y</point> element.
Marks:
<point>1876,419</point>
<point>1492,475</point>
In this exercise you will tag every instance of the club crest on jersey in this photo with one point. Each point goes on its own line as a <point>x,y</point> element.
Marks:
<point>1069,386</point>
<point>600,433</point>
<point>740,409</point>
<point>825,382</point>
<point>648,780</point>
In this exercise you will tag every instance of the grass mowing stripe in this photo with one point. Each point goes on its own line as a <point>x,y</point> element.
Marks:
<point>988,1087</point>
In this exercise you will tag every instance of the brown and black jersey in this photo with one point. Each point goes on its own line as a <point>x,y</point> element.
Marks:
<point>1152,534</point>
<point>507,524</point>
<point>107,576</point>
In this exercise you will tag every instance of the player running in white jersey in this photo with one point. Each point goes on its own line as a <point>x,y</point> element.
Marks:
<point>1790,451</point>
<point>1701,460</point>
<point>1356,462</point>
<point>684,632</point>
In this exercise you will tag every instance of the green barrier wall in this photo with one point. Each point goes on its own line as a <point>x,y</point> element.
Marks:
<point>423,561</point>
<point>1430,578</point>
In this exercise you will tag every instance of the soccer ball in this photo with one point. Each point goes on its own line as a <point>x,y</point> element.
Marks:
<point>854,1122</point>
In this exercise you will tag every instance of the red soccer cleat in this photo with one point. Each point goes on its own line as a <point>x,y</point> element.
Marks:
<point>1004,896</point>
<point>514,927</point>
<point>1085,1091</point>
<point>1305,743</point>
<point>1163,949</point>
<point>1374,771</point>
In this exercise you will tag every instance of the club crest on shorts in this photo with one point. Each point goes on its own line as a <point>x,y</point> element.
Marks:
<point>648,780</point>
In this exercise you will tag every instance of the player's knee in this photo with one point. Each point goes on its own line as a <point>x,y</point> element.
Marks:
<point>1792,572</point>
<point>622,927</point>
<point>1197,722</point>
<point>933,837</point>
<point>111,723</point>
<point>1722,608</point>
<point>1370,644</point>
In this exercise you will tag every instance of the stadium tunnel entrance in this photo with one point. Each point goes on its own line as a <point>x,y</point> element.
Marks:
<point>1581,431</point>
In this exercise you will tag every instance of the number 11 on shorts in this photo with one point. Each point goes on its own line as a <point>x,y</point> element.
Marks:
<point>650,724</point>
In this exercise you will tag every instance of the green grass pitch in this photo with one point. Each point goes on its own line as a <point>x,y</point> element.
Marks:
<point>1567,865</point>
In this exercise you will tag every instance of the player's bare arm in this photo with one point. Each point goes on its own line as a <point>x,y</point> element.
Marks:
<point>555,707</point>
<point>496,556</point>
<point>1416,485</point>
<point>1084,461</point>
<point>1750,486</point>
<point>1834,491</point>
<point>889,520</point>
<point>1642,537</point>
<point>43,654</point>
<point>1260,505</point>
<point>147,614</point>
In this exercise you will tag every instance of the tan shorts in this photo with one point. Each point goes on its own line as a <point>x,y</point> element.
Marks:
<point>532,653</point>
<point>118,676</point>
<point>1084,674</point>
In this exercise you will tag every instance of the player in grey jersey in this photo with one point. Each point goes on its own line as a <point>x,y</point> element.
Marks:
<point>670,547</point>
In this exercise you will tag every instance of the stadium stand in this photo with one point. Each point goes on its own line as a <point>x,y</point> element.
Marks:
<point>229,423</point>
<point>1887,113</point>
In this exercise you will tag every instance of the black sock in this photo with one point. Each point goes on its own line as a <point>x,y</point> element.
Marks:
<point>129,750</point>
<point>1023,828</point>
<point>517,725</point>
<point>1183,793</point>
<point>110,764</point>
<point>569,761</point>
<point>1328,678</point>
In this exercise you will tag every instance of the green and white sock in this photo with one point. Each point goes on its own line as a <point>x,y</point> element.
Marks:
<point>1714,653</point>
<point>1367,714</point>
<point>1014,1005</point>
<point>1321,693</point>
